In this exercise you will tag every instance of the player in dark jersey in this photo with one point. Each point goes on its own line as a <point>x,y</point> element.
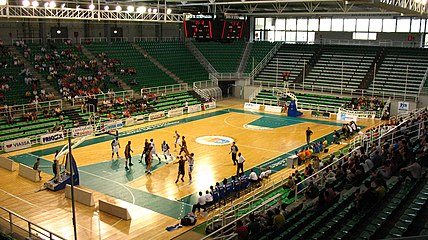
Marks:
<point>183,146</point>
<point>145,152</point>
<point>181,162</point>
<point>128,158</point>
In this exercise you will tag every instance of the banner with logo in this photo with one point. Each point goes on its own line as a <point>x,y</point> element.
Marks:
<point>82,131</point>
<point>276,109</point>
<point>210,105</point>
<point>156,116</point>
<point>51,137</point>
<point>194,108</point>
<point>403,107</point>
<point>176,112</point>
<point>251,106</point>
<point>16,144</point>
<point>113,125</point>
<point>131,121</point>
<point>343,116</point>
<point>140,118</point>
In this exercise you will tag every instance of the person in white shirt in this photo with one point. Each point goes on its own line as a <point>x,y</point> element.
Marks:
<point>115,145</point>
<point>253,177</point>
<point>153,152</point>
<point>413,171</point>
<point>201,203</point>
<point>191,160</point>
<point>208,198</point>
<point>240,166</point>
<point>165,150</point>
<point>265,173</point>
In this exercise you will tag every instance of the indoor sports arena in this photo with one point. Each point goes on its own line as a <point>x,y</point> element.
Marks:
<point>213,119</point>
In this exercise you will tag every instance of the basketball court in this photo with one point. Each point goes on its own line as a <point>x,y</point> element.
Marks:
<point>155,201</point>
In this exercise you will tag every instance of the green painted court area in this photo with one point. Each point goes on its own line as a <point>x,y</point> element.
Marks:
<point>109,177</point>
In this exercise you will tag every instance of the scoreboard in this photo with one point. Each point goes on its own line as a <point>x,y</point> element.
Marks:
<point>214,27</point>
<point>199,26</point>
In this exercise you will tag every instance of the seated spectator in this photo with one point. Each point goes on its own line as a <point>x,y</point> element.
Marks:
<point>241,230</point>
<point>200,204</point>
<point>253,178</point>
<point>278,219</point>
<point>208,198</point>
<point>265,173</point>
<point>380,188</point>
<point>290,184</point>
<point>312,191</point>
<point>254,227</point>
<point>413,171</point>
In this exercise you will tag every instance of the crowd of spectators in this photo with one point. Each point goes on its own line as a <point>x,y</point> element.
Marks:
<point>365,104</point>
<point>365,173</point>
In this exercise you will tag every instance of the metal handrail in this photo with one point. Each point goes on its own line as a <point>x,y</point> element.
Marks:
<point>265,60</point>
<point>31,228</point>
<point>421,86</point>
<point>181,87</point>
<point>228,227</point>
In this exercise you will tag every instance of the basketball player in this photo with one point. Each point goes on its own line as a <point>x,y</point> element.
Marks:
<point>115,145</point>
<point>177,140</point>
<point>191,160</point>
<point>181,162</point>
<point>145,150</point>
<point>183,146</point>
<point>234,150</point>
<point>308,135</point>
<point>149,159</point>
<point>165,150</point>
<point>127,152</point>
<point>153,146</point>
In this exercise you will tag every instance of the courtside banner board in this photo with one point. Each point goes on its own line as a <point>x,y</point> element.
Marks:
<point>194,108</point>
<point>82,131</point>
<point>176,112</point>
<point>113,125</point>
<point>210,105</point>
<point>276,109</point>
<point>140,118</point>
<point>16,144</point>
<point>131,121</point>
<point>342,116</point>
<point>156,116</point>
<point>51,137</point>
<point>252,106</point>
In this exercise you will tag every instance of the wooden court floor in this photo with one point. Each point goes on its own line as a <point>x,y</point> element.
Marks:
<point>155,201</point>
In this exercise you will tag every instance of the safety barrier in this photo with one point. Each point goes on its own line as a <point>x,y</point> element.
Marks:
<point>114,210</point>
<point>80,195</point>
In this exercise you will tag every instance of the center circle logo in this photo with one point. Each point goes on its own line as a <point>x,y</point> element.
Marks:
<point>214,140</point>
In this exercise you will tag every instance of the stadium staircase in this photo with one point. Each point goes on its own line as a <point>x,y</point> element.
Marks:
<point>310,65</point>
<point>76,115</point>
<point>402,72</point>
<point>368,79</point>
<point>123,85</point>
<point>224,57</point>
<point>290,58</point>
<point>43,83</point>
<point>147,75</point>
<point>341,66</point>
<point>177,58</point>
<point>259,50</point>
<point>156,63</point>
<point>201,59</point>
<point>245,56</point>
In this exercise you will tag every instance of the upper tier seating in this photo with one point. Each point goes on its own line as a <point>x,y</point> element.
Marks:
<point>399,68</point>
<point>224,57</point>
<point>341,67</point>
<point>289,58</point>
<point>258,51</point>
<point>147,74</point>
<point>176,58</point>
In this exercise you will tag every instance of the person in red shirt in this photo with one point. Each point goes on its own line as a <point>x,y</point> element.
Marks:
<point>241,230</point>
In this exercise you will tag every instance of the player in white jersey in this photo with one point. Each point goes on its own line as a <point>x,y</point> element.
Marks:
<point>191,160</point>
<point>177,140</point>
<point>115,145</point>
<point>165,150</point>
<point>153,152</point>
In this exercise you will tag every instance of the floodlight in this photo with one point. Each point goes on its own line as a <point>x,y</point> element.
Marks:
<point>25,3</point>
<point>130,8</point>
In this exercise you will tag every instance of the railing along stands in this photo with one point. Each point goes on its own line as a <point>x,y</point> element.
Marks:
<point>23,227</point>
